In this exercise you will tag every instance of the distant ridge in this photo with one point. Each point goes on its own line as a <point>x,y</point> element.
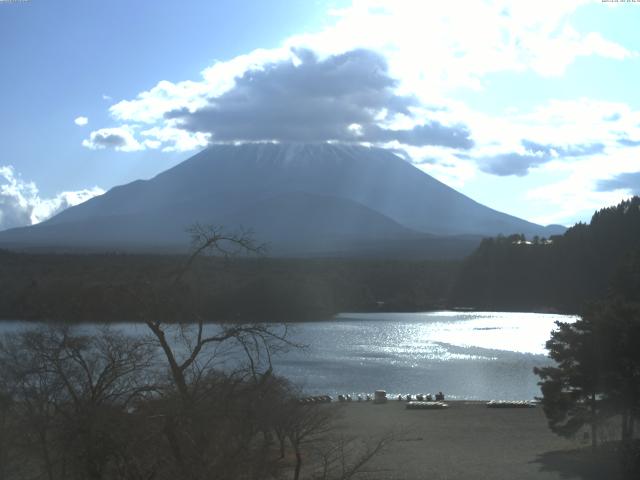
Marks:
<point>303,199</point>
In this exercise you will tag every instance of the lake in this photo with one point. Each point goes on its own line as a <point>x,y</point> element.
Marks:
<point>466,355</point>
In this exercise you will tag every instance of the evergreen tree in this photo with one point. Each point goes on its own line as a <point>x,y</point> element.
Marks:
<point>617,327</point>
<point>561,273</point>
<point>597,374</point>
<point>572,390</point>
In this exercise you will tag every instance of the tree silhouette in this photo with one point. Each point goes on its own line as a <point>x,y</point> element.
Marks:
<point>597,374</point>
<point>571,390</point>
<point>561,273</point>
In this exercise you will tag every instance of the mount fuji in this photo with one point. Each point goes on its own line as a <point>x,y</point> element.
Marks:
<point>301,199</point>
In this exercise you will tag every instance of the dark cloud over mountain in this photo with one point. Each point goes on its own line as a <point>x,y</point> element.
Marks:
<point>514,163</point>
<point>108,140</point>
<point>563,151</point>
<point>628,142</point>
<point>511,163</point>
<point>624,181</point>
<point>339,98</point>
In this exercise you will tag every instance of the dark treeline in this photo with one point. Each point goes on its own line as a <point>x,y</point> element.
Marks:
<point>561,273</point>
<point>588,262</point>
<point>75,287</point>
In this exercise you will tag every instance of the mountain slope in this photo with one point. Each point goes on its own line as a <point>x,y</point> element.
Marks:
<point>299,197</point>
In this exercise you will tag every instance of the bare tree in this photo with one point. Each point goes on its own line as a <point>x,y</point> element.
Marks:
<point>305,424</point>
<point>312,431</point>
<point>69,391</point>
<point>340,457</point>
<point>218,373</point>
<point>170,310</point>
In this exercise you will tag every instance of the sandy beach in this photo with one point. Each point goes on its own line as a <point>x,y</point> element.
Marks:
<point>468,441</point>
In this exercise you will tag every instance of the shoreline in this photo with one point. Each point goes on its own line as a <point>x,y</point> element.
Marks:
<point>330,317</point>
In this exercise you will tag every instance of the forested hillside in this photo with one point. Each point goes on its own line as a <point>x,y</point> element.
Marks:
<point>113,287</point>
<point>559,273</point>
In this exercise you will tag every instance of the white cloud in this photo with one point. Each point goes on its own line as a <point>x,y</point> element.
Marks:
<point>174,139</point>
<point>576,195</point>
<point>21,204</point>
<point>433,48</point>
<point>563,130</point>
<point>150,106</point>
<point>81,121</point>
<point>438,46</point>
<point>570,147</point>
<point>48,207</point>
<point>581,121</point>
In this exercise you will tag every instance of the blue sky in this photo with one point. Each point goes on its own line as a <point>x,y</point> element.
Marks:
<point>96,94</point>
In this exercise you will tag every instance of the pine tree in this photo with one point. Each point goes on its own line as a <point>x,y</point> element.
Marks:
<point>572,390</point>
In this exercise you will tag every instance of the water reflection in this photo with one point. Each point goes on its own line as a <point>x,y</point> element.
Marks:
<point>468,355</point>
